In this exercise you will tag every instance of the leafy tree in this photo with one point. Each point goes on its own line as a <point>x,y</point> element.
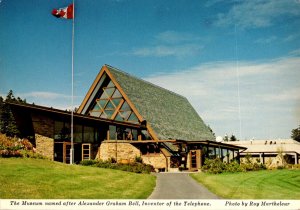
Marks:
<point>296,134</point>
<point>226,138</point>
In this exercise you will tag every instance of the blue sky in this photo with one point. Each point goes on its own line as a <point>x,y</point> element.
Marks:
<point>236,61</point>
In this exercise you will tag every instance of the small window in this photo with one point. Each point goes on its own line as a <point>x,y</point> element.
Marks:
<point>117,94</point>
<point>86,151</point>
<point>110,84</point>
<point>125,107</point>
<point>109,91</point>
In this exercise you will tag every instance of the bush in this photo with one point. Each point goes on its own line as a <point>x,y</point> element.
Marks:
<point>135,167</point>
<point>31,154</point>
<point>88,162</point>
<point>14,147</point>
<point>138,159</point>
<point>234,166</point>
<point>216,166</point>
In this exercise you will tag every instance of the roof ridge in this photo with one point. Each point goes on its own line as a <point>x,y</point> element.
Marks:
<point>123,72</point>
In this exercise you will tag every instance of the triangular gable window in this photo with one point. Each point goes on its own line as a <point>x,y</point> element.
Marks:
<point>112,105</point>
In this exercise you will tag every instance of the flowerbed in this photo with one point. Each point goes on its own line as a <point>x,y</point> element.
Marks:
<point>15,147</point>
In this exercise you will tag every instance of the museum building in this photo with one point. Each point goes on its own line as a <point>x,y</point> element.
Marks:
<point>123,117</point>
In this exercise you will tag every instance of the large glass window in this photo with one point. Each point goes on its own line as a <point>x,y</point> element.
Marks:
<point>145,135</point>
<point>77,133</point>
<point>62,130</point>
<point>112,105</point>
<point>211,153</point>
<point>88,134</point>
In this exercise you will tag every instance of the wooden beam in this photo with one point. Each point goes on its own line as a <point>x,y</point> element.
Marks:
<point>131,105</point>
<point>117,109</point>
<point>88,95</point>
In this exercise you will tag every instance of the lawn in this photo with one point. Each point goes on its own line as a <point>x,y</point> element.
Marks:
<point>42,179</point>
<point>266,184</point>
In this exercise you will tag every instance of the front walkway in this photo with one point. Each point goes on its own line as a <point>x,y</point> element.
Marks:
<point>179,186</point>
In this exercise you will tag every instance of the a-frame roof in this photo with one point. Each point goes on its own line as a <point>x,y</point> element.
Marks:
<point>169,115</point>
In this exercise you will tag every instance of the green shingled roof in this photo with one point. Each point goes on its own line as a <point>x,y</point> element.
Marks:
<point>170,115</point>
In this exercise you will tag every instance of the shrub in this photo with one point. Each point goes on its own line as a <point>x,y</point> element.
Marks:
<point>217,166</point>
<point>234,166</point>
<point>214,166</point>
<point>138,159</point>
<point>88,162</point>
<point>31,154</point>
<point>135,167</point>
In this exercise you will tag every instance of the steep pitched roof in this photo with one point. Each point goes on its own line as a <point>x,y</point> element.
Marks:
<point>170,115</point>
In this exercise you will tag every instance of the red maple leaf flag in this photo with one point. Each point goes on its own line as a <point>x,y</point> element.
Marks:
<point>66,12</point>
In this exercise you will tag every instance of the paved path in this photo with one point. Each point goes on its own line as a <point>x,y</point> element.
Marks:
<point>179,186</point>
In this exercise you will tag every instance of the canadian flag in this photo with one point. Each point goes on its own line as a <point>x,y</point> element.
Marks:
<point>66,12</point>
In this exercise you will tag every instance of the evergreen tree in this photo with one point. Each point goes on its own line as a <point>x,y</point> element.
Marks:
<point>233,138</point>
<point>8,124</point>
<point>1,108</point>
<point>296,134</point>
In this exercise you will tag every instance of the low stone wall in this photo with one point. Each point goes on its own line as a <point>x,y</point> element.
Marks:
<point>158,160</point>
<point>126,153</point>
<point>120,151</point>
<point>45,146</point>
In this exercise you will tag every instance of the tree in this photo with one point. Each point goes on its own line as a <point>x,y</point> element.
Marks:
<point>233,138</point>
<point>296,134</point>
<point>226,137</point>
<point>8,124</point>
<point>1,108</point>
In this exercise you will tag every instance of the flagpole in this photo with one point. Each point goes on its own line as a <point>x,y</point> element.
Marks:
<point>72,100</point>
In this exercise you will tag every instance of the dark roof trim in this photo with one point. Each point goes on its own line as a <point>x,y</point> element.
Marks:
<point>270,152</point>
<point>68,114</point>
<point>137,141</point>
<point>213,143</point>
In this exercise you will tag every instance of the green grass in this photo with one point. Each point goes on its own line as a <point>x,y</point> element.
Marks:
<point>277,184</point>
<point>42,179</point>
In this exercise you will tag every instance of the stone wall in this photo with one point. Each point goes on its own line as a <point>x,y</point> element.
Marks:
<point>158,161</point>
<point>120,151</point>
<point>45,146</point>
<point>126,153</point>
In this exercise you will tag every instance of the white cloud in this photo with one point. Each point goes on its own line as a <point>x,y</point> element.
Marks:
<point>45,95</point>
<point>50,99</point>
<point>295,52</point>
<point>291,37</point>
<point>258,13</point>
<point>165,50</point>
<point>267,40</point>
<point>175,37</point>
<point>268,92</point>
<point>171,43</point>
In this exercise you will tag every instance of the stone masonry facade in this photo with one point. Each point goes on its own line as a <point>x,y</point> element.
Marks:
<point>124,152</point>
<point>44,128</point>
<point>120,151</point>
<point>44,146</point>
